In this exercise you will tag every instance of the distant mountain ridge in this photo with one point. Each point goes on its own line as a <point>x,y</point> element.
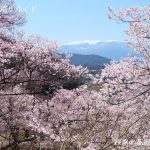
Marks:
<point>109,49</point>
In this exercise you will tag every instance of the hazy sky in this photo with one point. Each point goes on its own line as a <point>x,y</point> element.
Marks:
<point>74,20</point>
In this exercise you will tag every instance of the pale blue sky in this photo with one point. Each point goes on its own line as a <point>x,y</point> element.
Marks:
<point>74,20</point>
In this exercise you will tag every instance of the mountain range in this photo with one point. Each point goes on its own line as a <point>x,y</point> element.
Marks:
<point>109,49</point>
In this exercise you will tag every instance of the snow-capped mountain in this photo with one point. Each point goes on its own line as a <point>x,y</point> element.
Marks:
<point>109,49</point>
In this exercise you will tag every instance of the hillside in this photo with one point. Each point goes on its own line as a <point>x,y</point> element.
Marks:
<point>93,62</point>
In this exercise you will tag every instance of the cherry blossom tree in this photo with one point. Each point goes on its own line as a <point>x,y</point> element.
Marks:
<point>31,72</point>
<point>10,17</point>
<point>127,81</point>
<point>132,73</point>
